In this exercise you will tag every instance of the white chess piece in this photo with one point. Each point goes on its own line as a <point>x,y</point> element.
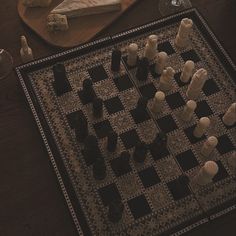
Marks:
<point>187,71</point>
<point>158,102</point>
<point>201,127</point>
<point>207,173</point>
<point>209,146</point>
<point>132,54</point>
<point>232,161</point>
<point>196,84</point>
<point>167,79</point>
<point>25,51</point>
<point>189,110</point>
<point>184,31</point>
<point>161,61</point>
<point>229,117</point>
<point>150,50</point>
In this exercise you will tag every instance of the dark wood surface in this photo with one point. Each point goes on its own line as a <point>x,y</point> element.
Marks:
<point>31,202</point>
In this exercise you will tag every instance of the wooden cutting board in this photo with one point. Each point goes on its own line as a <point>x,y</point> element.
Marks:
<point>81,29</point>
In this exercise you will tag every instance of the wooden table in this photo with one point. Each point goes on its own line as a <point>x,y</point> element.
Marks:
<point>31,202</point>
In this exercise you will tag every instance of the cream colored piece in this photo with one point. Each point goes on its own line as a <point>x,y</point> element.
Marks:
<point>158,102</point>
<point>187,71</point>
<point>229,117</point>
<point>132,54</point>
<point>161,62</point>
<point>182,38</point>
<point>25,51</point>
<point>37,3</point>
<point>207,173</point>
<point>150,50</point>
<point>196,84</point>
<point>201,127</point>
<point>232,161</point>
<point>57,22</point>
<point>167,79</point>
<point>189,110</point>
<point>209,146</point>
<point>76,8</point>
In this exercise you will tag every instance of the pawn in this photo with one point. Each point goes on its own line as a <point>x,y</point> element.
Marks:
<point>209,146</point>
<point>187,71</point>
<point>88,92</point>
<point>161,62</point>
<point>201,127</point>
<point>81,127</point>
<point>167,79</point>
<point>140,152</point>
<point>115,211</point>
<point>207,173</point>
<point>97,107</point>
<point>189,110</point>
<point>112,140</point>
<point>99,169</point>
<point>141,108</point>
<point>115,61</point>
<point>150,50</point>
<point>158,102</point>
<point>160,143</point>
<point>132,54</point>
<point>143,69</point>
<point>229,117</point>
<point>25,51</point>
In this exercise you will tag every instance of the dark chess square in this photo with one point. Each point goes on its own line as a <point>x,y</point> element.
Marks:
<point>158,155</point>
<point>190,55</point>
<point>177,79</point>
<point>166,47</point>
<point>98,73</point>
<point>210,87</point>
<point>149,177</point>
<point>113,105</point>
<point>191,137</point>
<point>139,206</point>
<point>203,109</point>
<point>139,119</point>
<point>167,124</point>
<point>187,160</point>
<point>224,144</point>
<point>178,190</point>
<point>148,90</point>
<point>222,173</point>
<point>130,138</point>
<point>118,169</point>
<point>175,100</point>
<point>109,193</point>
<point>72,118</point>
<point>102,128</point>
<point>123,83</point>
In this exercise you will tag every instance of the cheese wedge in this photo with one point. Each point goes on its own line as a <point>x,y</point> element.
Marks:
<point>75,8</point>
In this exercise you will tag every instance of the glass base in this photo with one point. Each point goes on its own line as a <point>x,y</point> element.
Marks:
<point>6,64</point>
<point>168,7</point>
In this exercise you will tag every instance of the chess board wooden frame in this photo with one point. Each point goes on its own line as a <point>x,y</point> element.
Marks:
<point>46,134</point>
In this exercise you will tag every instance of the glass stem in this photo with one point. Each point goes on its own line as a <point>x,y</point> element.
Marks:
<point>176,3</point>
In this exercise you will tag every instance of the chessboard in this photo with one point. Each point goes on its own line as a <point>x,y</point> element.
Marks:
<point>158,195</point>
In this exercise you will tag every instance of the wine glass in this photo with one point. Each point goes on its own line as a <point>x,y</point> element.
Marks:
<point>6,63</point>
<point>168,7</point>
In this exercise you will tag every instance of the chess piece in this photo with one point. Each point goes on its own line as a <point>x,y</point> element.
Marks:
<point>99,169</point>
<point>166,79</point>
<point>115,61</point>
<point>37,3</point>
<point>115,211</point>
<point>98,107</point>
<point>81,127</point>
<point>182,38</point>
<point>189,110</point>
<point>232,161</point>
<point>150,50</point>
<point>122,163</point>
<point>201,127</point>
<point>196,84</point>
<point>187,71</point>
<point>161,62</point>
<point>132,54</point>
<point>141,109</point>
<point>206,173</point>
<point>143,68</point>
<point>229,117</point>
<point>112,140</point>
<point>209,146</point>
<point>88,92</point>
<point>159,144</point>
<point>25,51</point>
<point>91,150</point>
<point>61,83</point>
<point>158,102</point>
<point>140,152</point>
